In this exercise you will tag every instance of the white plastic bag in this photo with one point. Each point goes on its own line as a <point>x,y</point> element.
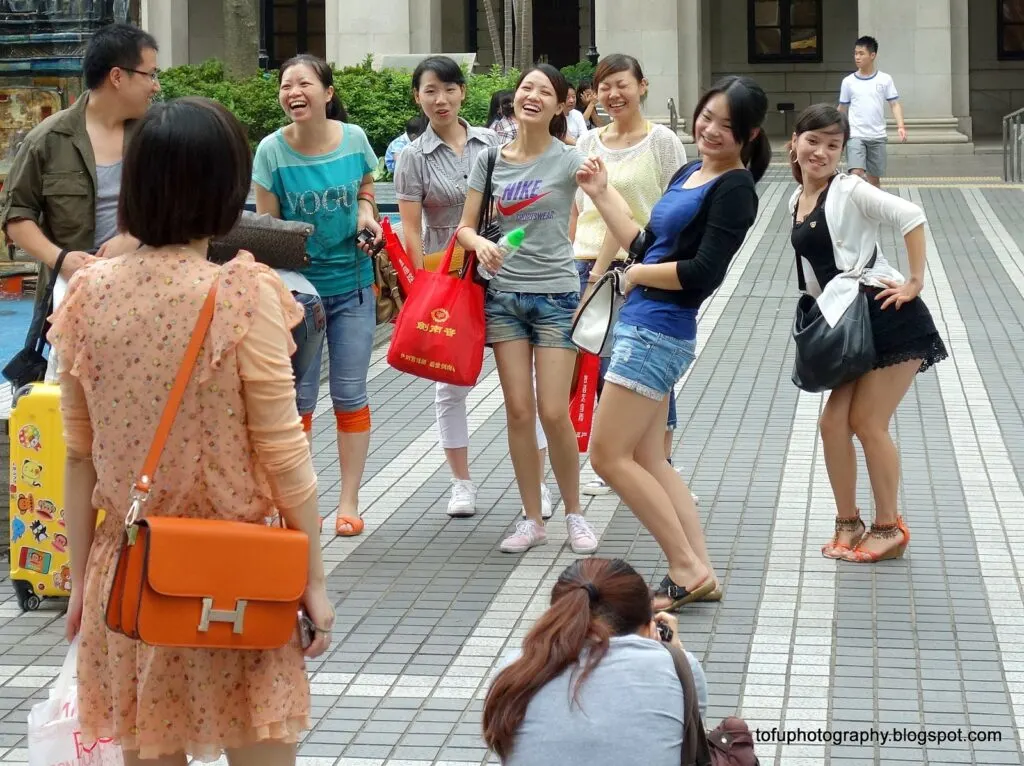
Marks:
<point>54,736</point>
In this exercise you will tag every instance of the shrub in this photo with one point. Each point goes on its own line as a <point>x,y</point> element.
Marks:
<point>378,101</point>
<point>575,73</point>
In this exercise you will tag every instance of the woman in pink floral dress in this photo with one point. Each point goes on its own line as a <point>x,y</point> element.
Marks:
<point>236,450</point>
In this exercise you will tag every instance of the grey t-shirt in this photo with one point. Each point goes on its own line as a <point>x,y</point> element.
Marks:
<point>537,196</point>
<point>630,711</point>
<point>108,190</point>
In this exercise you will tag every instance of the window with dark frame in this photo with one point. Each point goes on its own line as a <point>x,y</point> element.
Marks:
<point>1011,30</point>
<point>293,27</point>
<point>784,31</point>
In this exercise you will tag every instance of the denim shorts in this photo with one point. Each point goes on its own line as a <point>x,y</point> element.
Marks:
<point>543,319</point>
<point>647,362</point>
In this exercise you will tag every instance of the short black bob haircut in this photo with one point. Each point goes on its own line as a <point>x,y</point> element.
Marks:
<point>186,173</point>
<point>115,45</point>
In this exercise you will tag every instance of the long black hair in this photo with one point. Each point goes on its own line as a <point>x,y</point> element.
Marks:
<point>748,106</point>
<point>501,106</point>
<point>559,124</point>
<point>324,73</point>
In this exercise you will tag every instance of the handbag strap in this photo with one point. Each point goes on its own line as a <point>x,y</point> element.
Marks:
<point>695,750</point>
<point>36,338</point>
<point>484,219</point>
<point>163,429</point>
<point>801,279</point>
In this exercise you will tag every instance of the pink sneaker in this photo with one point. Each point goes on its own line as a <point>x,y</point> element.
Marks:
<point>528,534</point>
<point>581,535</point>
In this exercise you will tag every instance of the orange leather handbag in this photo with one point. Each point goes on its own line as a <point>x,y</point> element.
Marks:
<point>203,583</point>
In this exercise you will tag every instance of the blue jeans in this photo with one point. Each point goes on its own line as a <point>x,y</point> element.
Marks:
<point>308,334</point>
<point>351,321</point>
<point>584,268</point>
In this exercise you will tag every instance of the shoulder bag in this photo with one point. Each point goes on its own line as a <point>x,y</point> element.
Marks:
<point>29,364</point>
<point>272,241</point>
<point>730,744</point>
<point>829,357</point>
<point>203,583</point>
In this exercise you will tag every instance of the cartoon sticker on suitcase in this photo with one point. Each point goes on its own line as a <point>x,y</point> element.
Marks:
<point>35,560</point>
<point>32,473</point>
<point>38,531</point>
<point>17,529</point>
<point>30,437</point>
<point>60,543</point>
<point>25,503</point>
<point>46,510</point>
<point>62,579</point>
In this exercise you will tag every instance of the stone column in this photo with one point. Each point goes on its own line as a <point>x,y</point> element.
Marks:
<point>425,26</point>
<point>667,38</point>
<point>694,58</point>
<point>356,28</point>
<point>916,47</point>
<point>168,23</point>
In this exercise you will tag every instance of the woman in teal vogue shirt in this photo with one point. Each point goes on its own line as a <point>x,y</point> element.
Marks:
<point>317,170</point>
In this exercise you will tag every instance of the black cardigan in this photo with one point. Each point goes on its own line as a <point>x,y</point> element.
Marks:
<point>705,247</point>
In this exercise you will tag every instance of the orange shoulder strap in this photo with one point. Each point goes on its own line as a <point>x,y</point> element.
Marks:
<point>188,363</point>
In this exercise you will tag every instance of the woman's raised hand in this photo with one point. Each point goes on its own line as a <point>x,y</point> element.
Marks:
<point>592,176</point>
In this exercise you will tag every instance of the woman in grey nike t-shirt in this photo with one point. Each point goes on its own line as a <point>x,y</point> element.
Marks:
<point>532,298</point>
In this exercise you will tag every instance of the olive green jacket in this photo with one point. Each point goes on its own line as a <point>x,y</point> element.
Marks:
<point>53,180</point>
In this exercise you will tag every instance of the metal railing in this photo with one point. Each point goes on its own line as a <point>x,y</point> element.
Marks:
<point>1013,147</point>
<point>673,116</point>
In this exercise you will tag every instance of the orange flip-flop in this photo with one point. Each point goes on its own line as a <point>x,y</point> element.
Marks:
<point>348,526</point>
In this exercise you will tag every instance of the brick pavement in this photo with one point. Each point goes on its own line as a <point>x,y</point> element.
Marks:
<point>427,605</point>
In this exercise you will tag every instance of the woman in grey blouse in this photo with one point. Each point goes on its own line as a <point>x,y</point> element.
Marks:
<point>592,685</point>
<point>431,177</point>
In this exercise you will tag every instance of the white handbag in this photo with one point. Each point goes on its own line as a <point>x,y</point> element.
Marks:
<point>593,326</point>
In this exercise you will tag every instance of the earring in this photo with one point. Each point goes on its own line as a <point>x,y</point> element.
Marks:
<point>792,156</point>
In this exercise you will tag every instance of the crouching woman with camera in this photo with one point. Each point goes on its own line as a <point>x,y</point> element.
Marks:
<point>593,684</point>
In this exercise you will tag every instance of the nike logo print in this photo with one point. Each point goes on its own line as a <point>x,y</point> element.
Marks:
<point>510,210</point>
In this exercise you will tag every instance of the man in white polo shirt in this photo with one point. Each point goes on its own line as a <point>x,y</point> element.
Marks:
<point>863,96</point>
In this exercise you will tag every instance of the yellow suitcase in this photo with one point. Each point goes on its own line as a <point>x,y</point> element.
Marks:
<point>39,542</point>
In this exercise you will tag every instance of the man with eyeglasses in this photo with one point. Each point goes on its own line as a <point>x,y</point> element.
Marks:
<point>63,188</point>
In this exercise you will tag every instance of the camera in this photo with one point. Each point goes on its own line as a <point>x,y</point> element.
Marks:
<point>665,632</point>
<point>365,239</point>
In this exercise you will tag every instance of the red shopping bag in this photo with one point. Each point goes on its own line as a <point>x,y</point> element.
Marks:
<point>584,397</point>
<point>440,331</point>
<point>400,261</point>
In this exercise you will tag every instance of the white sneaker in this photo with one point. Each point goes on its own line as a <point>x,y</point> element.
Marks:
<point>596,487</point>
<point>547,508</point>
<point>462,503</point>
<point>528,534</point>
<point>581,535</point>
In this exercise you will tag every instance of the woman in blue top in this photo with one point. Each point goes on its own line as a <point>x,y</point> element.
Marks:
<point>318,170</point>
<point>694,231</point>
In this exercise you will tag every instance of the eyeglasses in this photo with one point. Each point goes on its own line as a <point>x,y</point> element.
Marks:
<point>154,75</point>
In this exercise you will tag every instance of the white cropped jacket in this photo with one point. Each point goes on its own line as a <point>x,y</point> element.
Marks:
<point>854,210</point>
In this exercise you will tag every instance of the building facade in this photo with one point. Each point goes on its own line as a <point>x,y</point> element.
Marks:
<point>958,64</point>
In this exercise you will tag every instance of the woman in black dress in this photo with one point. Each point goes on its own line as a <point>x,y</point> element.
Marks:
<point>836,218</point>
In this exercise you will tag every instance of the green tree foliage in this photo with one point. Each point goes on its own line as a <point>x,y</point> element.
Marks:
<point>378,100</point>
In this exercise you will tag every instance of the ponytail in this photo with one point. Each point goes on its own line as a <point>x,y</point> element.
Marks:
<point>757,155</point>
<point>593,600</point>
<point>336,110</point>
<point>559,126</point>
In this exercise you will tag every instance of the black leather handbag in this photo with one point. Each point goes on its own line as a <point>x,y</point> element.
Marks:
<point>827,357</point>
<point>29,364</point>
